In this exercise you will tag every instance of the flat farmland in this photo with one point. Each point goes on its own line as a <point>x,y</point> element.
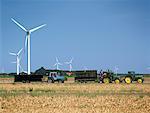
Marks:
<point>74,98</point>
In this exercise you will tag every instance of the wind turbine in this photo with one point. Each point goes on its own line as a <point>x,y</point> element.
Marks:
<point>27,40</point>
<point>57,64</point>
<point>70,64</point>
<point>17,60</point>
<point>116,69</point>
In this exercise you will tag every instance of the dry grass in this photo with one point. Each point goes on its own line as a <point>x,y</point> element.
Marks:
<point>74,98</point>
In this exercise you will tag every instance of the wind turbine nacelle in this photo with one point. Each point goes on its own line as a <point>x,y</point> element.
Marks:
<point>28,32</point>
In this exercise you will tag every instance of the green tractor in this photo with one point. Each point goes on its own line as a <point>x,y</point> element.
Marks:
<point>128,78</point>
<point>106,77</point>
<point>109,77</point>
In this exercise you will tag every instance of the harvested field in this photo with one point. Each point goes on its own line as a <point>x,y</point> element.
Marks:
<point>74,98</point>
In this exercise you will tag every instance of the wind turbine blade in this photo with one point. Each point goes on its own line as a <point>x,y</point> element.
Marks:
<point>71,60</point>
<point>55,64</point>
<point>26,41</point>
<point>20,51</point>
<point>23,28</point>
<point>34,29</point>
<point>13,62</point>
<point>59,63</point>
<point>12,54</point>
<point>20,58</point>
<point>25,44</point>
<point>67,63</point>
<point>56,59</point>
<point>21,68</point>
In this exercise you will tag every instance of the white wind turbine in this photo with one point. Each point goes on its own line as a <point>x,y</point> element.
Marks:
<point>27,40</point>
<point>70,64</point>
<point>17,60</point>
<point>57,64</point>
<point>116,69</point>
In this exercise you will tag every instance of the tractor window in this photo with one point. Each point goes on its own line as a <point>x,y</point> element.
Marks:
<point>54,74</point>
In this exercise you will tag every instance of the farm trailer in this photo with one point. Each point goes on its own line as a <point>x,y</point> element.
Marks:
<point>85,76</point>
<point>28,78</point>
<point>37,76</point>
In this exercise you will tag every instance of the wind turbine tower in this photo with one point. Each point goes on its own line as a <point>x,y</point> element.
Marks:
<point>17,60</point>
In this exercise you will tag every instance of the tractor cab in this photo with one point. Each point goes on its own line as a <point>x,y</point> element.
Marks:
<point>105,76</point>
<point>56,76</point>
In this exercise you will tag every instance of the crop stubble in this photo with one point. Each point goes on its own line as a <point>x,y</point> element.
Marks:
<point>74,98</point>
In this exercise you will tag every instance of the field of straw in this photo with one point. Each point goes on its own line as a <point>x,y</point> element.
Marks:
<point>74,98</point>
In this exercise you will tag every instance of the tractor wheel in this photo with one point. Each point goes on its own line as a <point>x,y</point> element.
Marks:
<point>117,81</point>
<point>139,80</point>
<point>60,81</point>
<point>106,80</point>
<point>128,80</point>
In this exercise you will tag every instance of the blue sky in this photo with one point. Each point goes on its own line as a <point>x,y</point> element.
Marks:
<point>99,34</point>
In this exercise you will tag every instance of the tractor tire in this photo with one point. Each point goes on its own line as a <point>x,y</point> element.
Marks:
<point>139,80</point>
<point>128,80</point>
<point>106,80</point>
<point>117,81</point>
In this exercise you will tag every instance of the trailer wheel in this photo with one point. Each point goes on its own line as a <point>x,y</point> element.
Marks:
<point>139,80</point>
<point>27,81</point>
<point>106,80</point>
<point>128,80</point>
<point>23,81</point>
<point>117,81</point>
<point>50,81</point>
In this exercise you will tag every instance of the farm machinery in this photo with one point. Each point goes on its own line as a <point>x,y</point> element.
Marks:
<point>37,76</point>
<point>85,76</point>
<point>81,76</point>
<point>109,77</point>
<point>56,76</point>
<point>42,75</point>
